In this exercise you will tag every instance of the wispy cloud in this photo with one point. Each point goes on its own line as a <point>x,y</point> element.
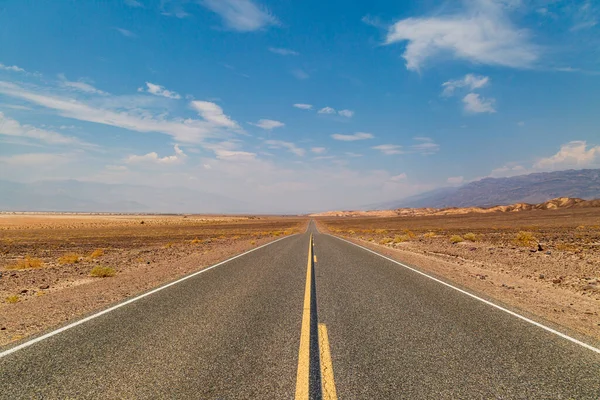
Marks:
<point>291,147</point>
<point>303,106</point>
<point>153,158</point>
<point>476,104</point>
<point>481,33</point>
<point>300,74</point>
<point>326,110</point>
<point>241,15</point>
<point>268,124</point>
<point>283,52</point>
<point>189,130</point>
<point>353,137</point>
<point>424,145</point>
<point>470,82</point>
<point>79,86</point>
<point>12,68</point>
<point>36,159</point>
<point>12,127</point>
<point>389,149</point>
<point>126,33</point>
<point>346,113</point>
<point>133,3</point>
<point>318,150</point>
<point>158,90</point>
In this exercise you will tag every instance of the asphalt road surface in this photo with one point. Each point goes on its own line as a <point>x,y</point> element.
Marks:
<point>252,328</point>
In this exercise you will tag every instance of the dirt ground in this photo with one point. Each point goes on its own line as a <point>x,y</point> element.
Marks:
<point>47,261</point>
<point>544,262</point>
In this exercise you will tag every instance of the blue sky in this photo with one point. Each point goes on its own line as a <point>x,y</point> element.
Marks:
<point>305,105</point>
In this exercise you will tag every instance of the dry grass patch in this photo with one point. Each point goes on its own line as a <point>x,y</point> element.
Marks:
<point>525,239</point>
<point>97,253</point>
<point>27,263</point>
<point>429,235</point>
<point>102,272</point>
<point>456,239</point>
<point>71,258</point>
<point>195,241</point>
<point>12,299</point>
<point>471,237</point>
<point>385,240</point>
<point>402,238</point>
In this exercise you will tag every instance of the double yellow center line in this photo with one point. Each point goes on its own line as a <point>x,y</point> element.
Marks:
<point>328,391</point>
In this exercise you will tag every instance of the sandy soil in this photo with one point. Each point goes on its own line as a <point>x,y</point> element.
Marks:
<point>143,256</point>
<point>556,276</point>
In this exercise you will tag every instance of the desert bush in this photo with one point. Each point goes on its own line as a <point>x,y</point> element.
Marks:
<point>385,240</point>
<point>97,253</point>
<point>456,239</point>
<point>471,237</point>
<point>381,231</point>
<point>410,234</point>
<point>402,238</point>
<point>70,258</point>
<point>169,245</point>
<point>102,272</point>
<point>525,238</point>
<point>253,242</point>
<point>429,235</point>
<point>12,299</point>
<point>27,263</point>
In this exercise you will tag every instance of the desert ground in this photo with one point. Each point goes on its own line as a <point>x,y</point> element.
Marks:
<point>540,262</point>
<point>55,268</point>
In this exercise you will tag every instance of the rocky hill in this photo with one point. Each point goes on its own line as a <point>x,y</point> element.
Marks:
<point>488,192</point>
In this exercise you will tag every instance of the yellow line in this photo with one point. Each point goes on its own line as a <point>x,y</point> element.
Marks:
<point>302,377</point>
<point>327,381</point>
<point>315,258</point>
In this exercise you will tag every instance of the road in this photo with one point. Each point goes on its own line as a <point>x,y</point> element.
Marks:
<point>274,324</point>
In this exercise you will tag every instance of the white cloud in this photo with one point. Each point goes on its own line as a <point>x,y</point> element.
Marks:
<point>326,110</point>
<point>268,124</point>
<point>346,113</point>
<point>133,3</point>
<point>426,146</point>
<point>455,180</point>
<point>158,90</point>
<point>300,74</point>
<point>11,127</point>
<point>318,150</point>
<point>79,86</point>
<point>153,158</point>
<point>232,155</point>
<point>508,170</point>
<point>389,149</point>
<point>283,52</point>
<point>470,81</point>
<point>240,15</point>
<point>399,177</point>
<point>183,130</point>
<point>291,147</point>
<point>353,137</point>
<point>12,68</point>
<point>126,33</point>
<point>211,112</point>
<point>482,33</point>
<point>475,104</point>
<point>575,154</point>
<point>303,106</point>
<point>353,155</point>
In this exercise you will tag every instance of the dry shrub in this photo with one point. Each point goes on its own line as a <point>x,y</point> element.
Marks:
<point>27,263</point>
<point>97,253</point>
<point>410,234</point>
<point>253,242</point>
<point>471,237</point>
<point>456,239</point>
<point>12,299</point>
<point>70,258</point>
<point>102,272</point>
<point>195,241</point>
<point>525,239</point>
<point>429,235</point>
<point>385,240</point>
<point>381,231</point>
<point>169,245</point>
<point>402,238</point>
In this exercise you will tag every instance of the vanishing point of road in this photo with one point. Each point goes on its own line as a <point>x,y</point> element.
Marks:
<point>309,316</point>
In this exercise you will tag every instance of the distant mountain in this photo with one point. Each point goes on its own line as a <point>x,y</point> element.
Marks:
<point>78,196</point>
<point>488,192</point>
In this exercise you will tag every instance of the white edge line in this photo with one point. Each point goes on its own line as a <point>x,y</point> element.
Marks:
<point>562,335</point>
<point>158,289</point>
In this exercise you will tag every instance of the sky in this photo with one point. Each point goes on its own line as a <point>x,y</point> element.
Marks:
<point>297,105</point>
